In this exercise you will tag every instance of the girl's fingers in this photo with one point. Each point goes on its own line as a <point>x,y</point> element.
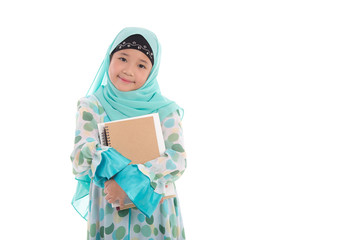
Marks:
<point>107,182</point>
<point>108,197</point>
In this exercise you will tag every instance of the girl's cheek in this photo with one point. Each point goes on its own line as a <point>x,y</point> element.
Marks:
<point>141,83</point>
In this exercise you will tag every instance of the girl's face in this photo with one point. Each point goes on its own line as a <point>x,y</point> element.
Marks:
<point>129,69</point>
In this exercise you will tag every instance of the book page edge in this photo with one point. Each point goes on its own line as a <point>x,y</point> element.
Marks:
<point>159,134</point>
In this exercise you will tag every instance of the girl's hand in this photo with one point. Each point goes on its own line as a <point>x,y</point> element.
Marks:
<point>114,192</point>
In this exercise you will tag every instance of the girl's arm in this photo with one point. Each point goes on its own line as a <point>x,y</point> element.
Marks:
<point>145,183</point>
<point>171,165</point>
<point>89,157</point>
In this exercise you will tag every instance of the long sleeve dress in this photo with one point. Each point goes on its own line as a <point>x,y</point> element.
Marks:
<point>88,158</point>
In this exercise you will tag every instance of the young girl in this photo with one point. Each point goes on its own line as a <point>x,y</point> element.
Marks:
<point>126,86</point>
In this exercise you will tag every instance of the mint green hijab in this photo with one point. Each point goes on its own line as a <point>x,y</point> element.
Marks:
<point>145,100</point>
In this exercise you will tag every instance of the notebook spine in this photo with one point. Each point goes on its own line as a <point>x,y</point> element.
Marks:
<point>107,136</point>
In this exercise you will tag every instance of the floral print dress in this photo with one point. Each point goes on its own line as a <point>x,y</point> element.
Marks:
<point>106,222</point>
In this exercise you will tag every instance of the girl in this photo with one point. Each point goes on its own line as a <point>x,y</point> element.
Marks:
<point>126,86</point>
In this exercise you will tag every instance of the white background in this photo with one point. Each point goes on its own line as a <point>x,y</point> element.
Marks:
<point>270,92</point>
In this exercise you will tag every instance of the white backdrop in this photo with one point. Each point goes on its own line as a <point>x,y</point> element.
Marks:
<point>270,92</point>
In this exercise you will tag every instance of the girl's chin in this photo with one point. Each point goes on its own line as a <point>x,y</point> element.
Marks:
<point>124,88</point>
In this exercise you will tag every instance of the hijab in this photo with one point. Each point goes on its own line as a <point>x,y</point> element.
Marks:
<point>145,100</point>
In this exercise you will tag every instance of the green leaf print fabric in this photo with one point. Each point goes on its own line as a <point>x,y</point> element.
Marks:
<point>105,222</point>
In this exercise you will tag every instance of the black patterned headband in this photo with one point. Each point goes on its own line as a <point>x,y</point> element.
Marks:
<point>137,42</point>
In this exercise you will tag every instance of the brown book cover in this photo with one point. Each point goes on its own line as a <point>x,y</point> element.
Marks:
<point>139,139</point>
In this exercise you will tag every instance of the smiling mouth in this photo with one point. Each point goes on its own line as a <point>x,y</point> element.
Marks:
<point>125,80</point>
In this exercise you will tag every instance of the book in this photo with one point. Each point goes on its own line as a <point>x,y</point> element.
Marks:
<point>139,139</point>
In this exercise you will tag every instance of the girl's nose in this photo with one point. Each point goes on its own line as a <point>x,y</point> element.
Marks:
<point>127,72</point>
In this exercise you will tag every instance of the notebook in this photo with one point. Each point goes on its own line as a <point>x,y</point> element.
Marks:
<point>139,139</point>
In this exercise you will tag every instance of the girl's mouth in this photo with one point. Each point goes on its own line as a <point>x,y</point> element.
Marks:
<point>125,80</point>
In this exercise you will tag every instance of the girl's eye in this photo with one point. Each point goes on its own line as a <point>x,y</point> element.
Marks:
<point>142,66</point>
<point>122,59</point>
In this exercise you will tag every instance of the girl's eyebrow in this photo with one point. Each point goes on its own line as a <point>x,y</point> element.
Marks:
<point>144,61</point>
<point>124,53</point>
